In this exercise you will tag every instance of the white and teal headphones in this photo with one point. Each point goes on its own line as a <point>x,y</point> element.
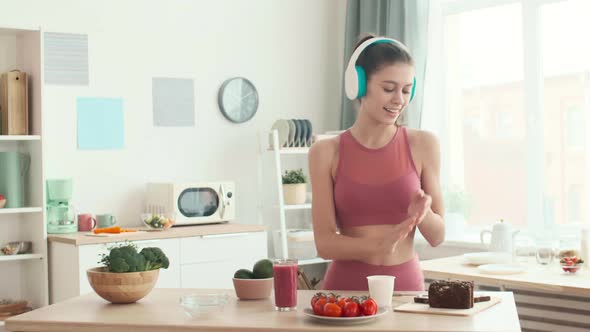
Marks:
<point>355,77</point>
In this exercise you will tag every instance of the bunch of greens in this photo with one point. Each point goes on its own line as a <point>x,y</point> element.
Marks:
<point>294,176</point>
<point>126,258</point>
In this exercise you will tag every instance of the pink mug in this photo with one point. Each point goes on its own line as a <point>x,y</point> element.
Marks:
<point>86,222</point>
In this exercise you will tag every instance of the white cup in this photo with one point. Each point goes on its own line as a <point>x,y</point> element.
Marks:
<point>381,289</point>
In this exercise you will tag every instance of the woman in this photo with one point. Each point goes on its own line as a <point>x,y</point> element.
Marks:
<point>376,182</point>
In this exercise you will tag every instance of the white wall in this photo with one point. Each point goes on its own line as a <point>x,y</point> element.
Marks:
<point>291,50</point>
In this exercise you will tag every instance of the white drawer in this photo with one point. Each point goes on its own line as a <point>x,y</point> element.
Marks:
<point>209,275</point>
<point>223,247</point>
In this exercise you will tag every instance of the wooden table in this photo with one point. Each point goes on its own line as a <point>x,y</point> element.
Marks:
<point>549,278</point>
<point>160,311</point>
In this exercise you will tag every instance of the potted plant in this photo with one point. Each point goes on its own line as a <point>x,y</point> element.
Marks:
<point>127,275</point>
<point>294,189</point>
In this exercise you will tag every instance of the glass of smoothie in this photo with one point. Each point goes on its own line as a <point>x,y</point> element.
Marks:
<point>285,283</point>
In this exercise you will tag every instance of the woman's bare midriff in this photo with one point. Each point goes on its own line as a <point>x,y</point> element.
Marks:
<point>401,254</point>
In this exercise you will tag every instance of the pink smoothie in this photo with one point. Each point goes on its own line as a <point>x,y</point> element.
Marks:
<point>285,280</point>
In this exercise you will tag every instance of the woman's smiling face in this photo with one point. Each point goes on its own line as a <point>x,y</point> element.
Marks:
<point>388,92</point>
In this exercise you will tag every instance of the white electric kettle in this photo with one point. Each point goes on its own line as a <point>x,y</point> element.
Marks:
<point>502,237</point>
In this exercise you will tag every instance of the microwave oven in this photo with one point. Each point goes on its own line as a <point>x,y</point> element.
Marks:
<point>193,203</point>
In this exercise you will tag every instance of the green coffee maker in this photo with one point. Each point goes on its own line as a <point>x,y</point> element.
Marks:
<point>61,216</point>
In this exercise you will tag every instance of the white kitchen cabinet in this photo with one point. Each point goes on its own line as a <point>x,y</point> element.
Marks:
<point>207,261</point>
<point>211,261</point>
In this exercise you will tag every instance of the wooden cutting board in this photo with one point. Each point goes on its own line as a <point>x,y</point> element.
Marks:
<point>12,306</point>
<point>426,309</point>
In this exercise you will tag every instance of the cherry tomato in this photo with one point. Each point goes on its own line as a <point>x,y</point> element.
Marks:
<point>332,310</point>
<point>331,297</point>
<point>369,307</point>
<point>351,309</point>
<point>316,297</point>
<point>342,302</point>
<point>318,306</point>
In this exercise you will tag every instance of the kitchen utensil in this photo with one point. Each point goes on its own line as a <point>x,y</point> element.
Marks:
<point>285,284</point>
<point>502,237</point>
<point>309,132</point>
<point>106,220</point>
<point>282,126</point>
<point>487,257</point>
<point>292,130</point>
<point>196,305</point>
<point>22,247</point>
<point>344,320</point>
<point>421,308</point>
<point>381,289</point>
<point>253,289</point>
<point>122,287</point>
<point>14,167</point>
<point>86,222</point>
<point>501,269</point>
<point>297,133</point>
<point>61,215</point>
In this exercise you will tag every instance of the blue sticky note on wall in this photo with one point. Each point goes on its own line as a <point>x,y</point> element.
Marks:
<point>100,123</point>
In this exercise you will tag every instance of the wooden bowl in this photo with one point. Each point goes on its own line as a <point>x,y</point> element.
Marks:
<point>122,287</point>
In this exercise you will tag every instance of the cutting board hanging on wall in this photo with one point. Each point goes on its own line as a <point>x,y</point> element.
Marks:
<point>14,103</point>
<point>422,308</point>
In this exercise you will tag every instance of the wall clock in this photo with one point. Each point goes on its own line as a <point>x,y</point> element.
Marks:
<point>238,99</point>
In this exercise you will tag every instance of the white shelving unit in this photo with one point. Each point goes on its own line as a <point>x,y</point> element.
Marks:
<point>278,152</point>
<point>25,276</point>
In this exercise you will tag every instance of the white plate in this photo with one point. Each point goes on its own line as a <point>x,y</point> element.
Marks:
<point>344,320</point>
<point>488,257</point>
<point>501,269</point>
<point>282,126</point>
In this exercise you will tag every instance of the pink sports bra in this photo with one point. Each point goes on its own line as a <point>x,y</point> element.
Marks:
<point>374,186</point>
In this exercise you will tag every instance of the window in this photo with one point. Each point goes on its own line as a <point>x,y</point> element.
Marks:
<point>515,96</point>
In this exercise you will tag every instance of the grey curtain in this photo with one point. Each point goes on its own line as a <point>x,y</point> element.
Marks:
<point>404,20</point>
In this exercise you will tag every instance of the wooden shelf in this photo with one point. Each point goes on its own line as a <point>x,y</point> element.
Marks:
<point>298,207</point>
<point>21,210</point>
<point>23,257</point>
<point>292,150</point>
<point>20,138</point>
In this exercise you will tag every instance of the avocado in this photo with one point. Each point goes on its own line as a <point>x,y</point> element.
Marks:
<point>244,274</point>
<point>263,269</point>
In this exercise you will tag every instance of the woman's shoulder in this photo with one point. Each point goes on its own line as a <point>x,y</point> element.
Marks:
<point>324,149</point>
<point>423,140</point>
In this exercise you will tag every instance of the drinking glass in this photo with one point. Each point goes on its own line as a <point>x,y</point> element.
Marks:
<point>285,284</point>
<point>545,250</point>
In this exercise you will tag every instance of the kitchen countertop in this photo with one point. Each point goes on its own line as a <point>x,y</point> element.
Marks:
<point>160,311</point>
<point>81,238</point>
<point>536,277</point>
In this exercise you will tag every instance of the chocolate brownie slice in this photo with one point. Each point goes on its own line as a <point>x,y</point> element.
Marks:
<point>452,294</point>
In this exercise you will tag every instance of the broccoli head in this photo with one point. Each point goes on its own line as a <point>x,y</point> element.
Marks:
<point>125,259</point>
<point>154,258</point>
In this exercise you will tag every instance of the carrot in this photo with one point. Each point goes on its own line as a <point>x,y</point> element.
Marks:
<point>113,229</point>
<point>127,230</point>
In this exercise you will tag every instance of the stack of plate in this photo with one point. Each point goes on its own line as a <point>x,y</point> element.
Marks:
<point>293,133</point>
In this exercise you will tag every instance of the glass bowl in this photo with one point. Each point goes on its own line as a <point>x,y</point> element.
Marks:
<point>10,249</point>
<point>196,305</point>
<point>157,221</point>
<point>571,264</point>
